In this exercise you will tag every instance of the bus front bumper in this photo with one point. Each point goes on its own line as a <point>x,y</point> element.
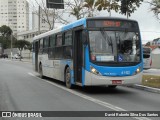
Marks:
<point>94,80</point>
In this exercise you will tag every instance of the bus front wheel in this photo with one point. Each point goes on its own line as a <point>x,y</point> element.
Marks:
<point>68,78</point>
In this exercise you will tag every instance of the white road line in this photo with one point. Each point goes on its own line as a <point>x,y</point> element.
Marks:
<point>31,74</point>
<point>102,103</point>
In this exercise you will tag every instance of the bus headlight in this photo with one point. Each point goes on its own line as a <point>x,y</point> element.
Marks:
<point>94,71</point>
<point>138,70</point>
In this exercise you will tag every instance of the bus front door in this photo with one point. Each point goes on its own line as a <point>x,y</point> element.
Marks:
<point>36,55</point>
<point>78,56</point>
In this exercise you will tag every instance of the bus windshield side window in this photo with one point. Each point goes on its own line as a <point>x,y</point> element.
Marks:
<point>41,46</point>
<point>46,44</point>
<point>58,47</point>
<point>68,45</point>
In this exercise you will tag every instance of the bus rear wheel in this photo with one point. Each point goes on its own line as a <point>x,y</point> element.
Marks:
<point>68,78</point>
<point>41,71</point>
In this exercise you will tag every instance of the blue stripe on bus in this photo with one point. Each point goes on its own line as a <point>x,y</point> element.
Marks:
<point>117,71</point>
<point>75,24</point>
<point>87,63</point>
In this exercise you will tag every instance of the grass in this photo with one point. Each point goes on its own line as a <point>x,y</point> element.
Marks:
<point>151,81</point>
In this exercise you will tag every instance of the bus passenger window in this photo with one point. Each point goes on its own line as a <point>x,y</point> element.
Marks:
<point>67,52</point>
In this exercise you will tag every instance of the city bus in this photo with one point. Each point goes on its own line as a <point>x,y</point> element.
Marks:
<point>147,58</point>
<point>91,52</point>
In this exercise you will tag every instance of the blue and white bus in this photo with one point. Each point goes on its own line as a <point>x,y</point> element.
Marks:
<point>91,52</point>
<point>147,57</point>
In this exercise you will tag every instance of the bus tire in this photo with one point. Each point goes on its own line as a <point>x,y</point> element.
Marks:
<point>41,71</point>
<point>112,86</point>
<point>68,78</point>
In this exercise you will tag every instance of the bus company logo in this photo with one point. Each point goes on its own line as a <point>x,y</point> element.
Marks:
<point>6,114</point>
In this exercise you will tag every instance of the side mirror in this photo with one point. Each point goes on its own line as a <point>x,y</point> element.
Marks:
<point>84,37</point>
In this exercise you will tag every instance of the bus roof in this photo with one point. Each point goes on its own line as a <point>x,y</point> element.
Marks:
<point>110,18</point>
<point>47,33</point>
<point>76,24</point>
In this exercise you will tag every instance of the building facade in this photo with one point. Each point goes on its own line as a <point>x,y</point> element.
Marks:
<point>28,35</point>
<point>15,14</point>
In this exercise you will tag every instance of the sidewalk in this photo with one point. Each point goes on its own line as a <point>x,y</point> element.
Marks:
<point>22,60</point>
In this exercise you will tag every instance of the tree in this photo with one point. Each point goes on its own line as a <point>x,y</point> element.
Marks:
<point>5,31</point>
<point>155,7</point>
<point>75,12</point>
<point>90,5</point>
<point>21,44</point>
<point>5,37</point>
<point>107,5</point>
<point>129,6</point>
<point>75,8</point>
<point>47,13</point>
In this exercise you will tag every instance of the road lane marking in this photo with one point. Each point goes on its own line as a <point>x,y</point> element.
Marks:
<point>102,103</point>
<point>31,74</point>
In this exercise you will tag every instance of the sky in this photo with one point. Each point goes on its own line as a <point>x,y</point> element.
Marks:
<point>149,25</point>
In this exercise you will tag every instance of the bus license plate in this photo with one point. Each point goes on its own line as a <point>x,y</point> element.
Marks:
<point>116,82</point>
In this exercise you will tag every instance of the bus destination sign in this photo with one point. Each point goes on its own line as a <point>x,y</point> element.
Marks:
<point>112,24</point>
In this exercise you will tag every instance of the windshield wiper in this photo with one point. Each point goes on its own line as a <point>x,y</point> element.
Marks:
<point>104,34</point>
<point>111,43</point>
<point>107,38</point>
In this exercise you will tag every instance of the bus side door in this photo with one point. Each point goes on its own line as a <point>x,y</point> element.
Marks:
<point>77,54</point>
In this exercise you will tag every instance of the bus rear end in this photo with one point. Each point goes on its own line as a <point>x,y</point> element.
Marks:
<point>113,55</point>
<point>147,58</point>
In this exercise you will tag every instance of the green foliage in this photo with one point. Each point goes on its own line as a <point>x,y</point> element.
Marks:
<point>5,38</point>
<point>129,6</point>
<point>90,5</point>
<point>5,31</point>
<point>107,5</point>
<point>151,81</point>
<point>76,9</point>
<point>20,44</point>
<point>6,41</point>
<point>155,7</point>
<point>76,12</point>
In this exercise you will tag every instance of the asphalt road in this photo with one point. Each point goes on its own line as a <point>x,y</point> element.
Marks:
<point>22,90</point>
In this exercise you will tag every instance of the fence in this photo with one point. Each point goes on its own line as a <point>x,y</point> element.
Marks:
<point>26,54</point>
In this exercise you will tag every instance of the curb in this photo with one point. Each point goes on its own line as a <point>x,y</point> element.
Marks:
<point>150,89</point>
<point>22,60</point>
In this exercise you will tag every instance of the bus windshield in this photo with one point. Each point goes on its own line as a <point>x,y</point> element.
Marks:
<point>114,46</point>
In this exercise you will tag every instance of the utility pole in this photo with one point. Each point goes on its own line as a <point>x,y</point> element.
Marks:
<point>11,45</point>
<point>39,13</point>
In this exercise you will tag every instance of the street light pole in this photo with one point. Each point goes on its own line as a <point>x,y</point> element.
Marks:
<point>39,24</point>
<point>11,45</point>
